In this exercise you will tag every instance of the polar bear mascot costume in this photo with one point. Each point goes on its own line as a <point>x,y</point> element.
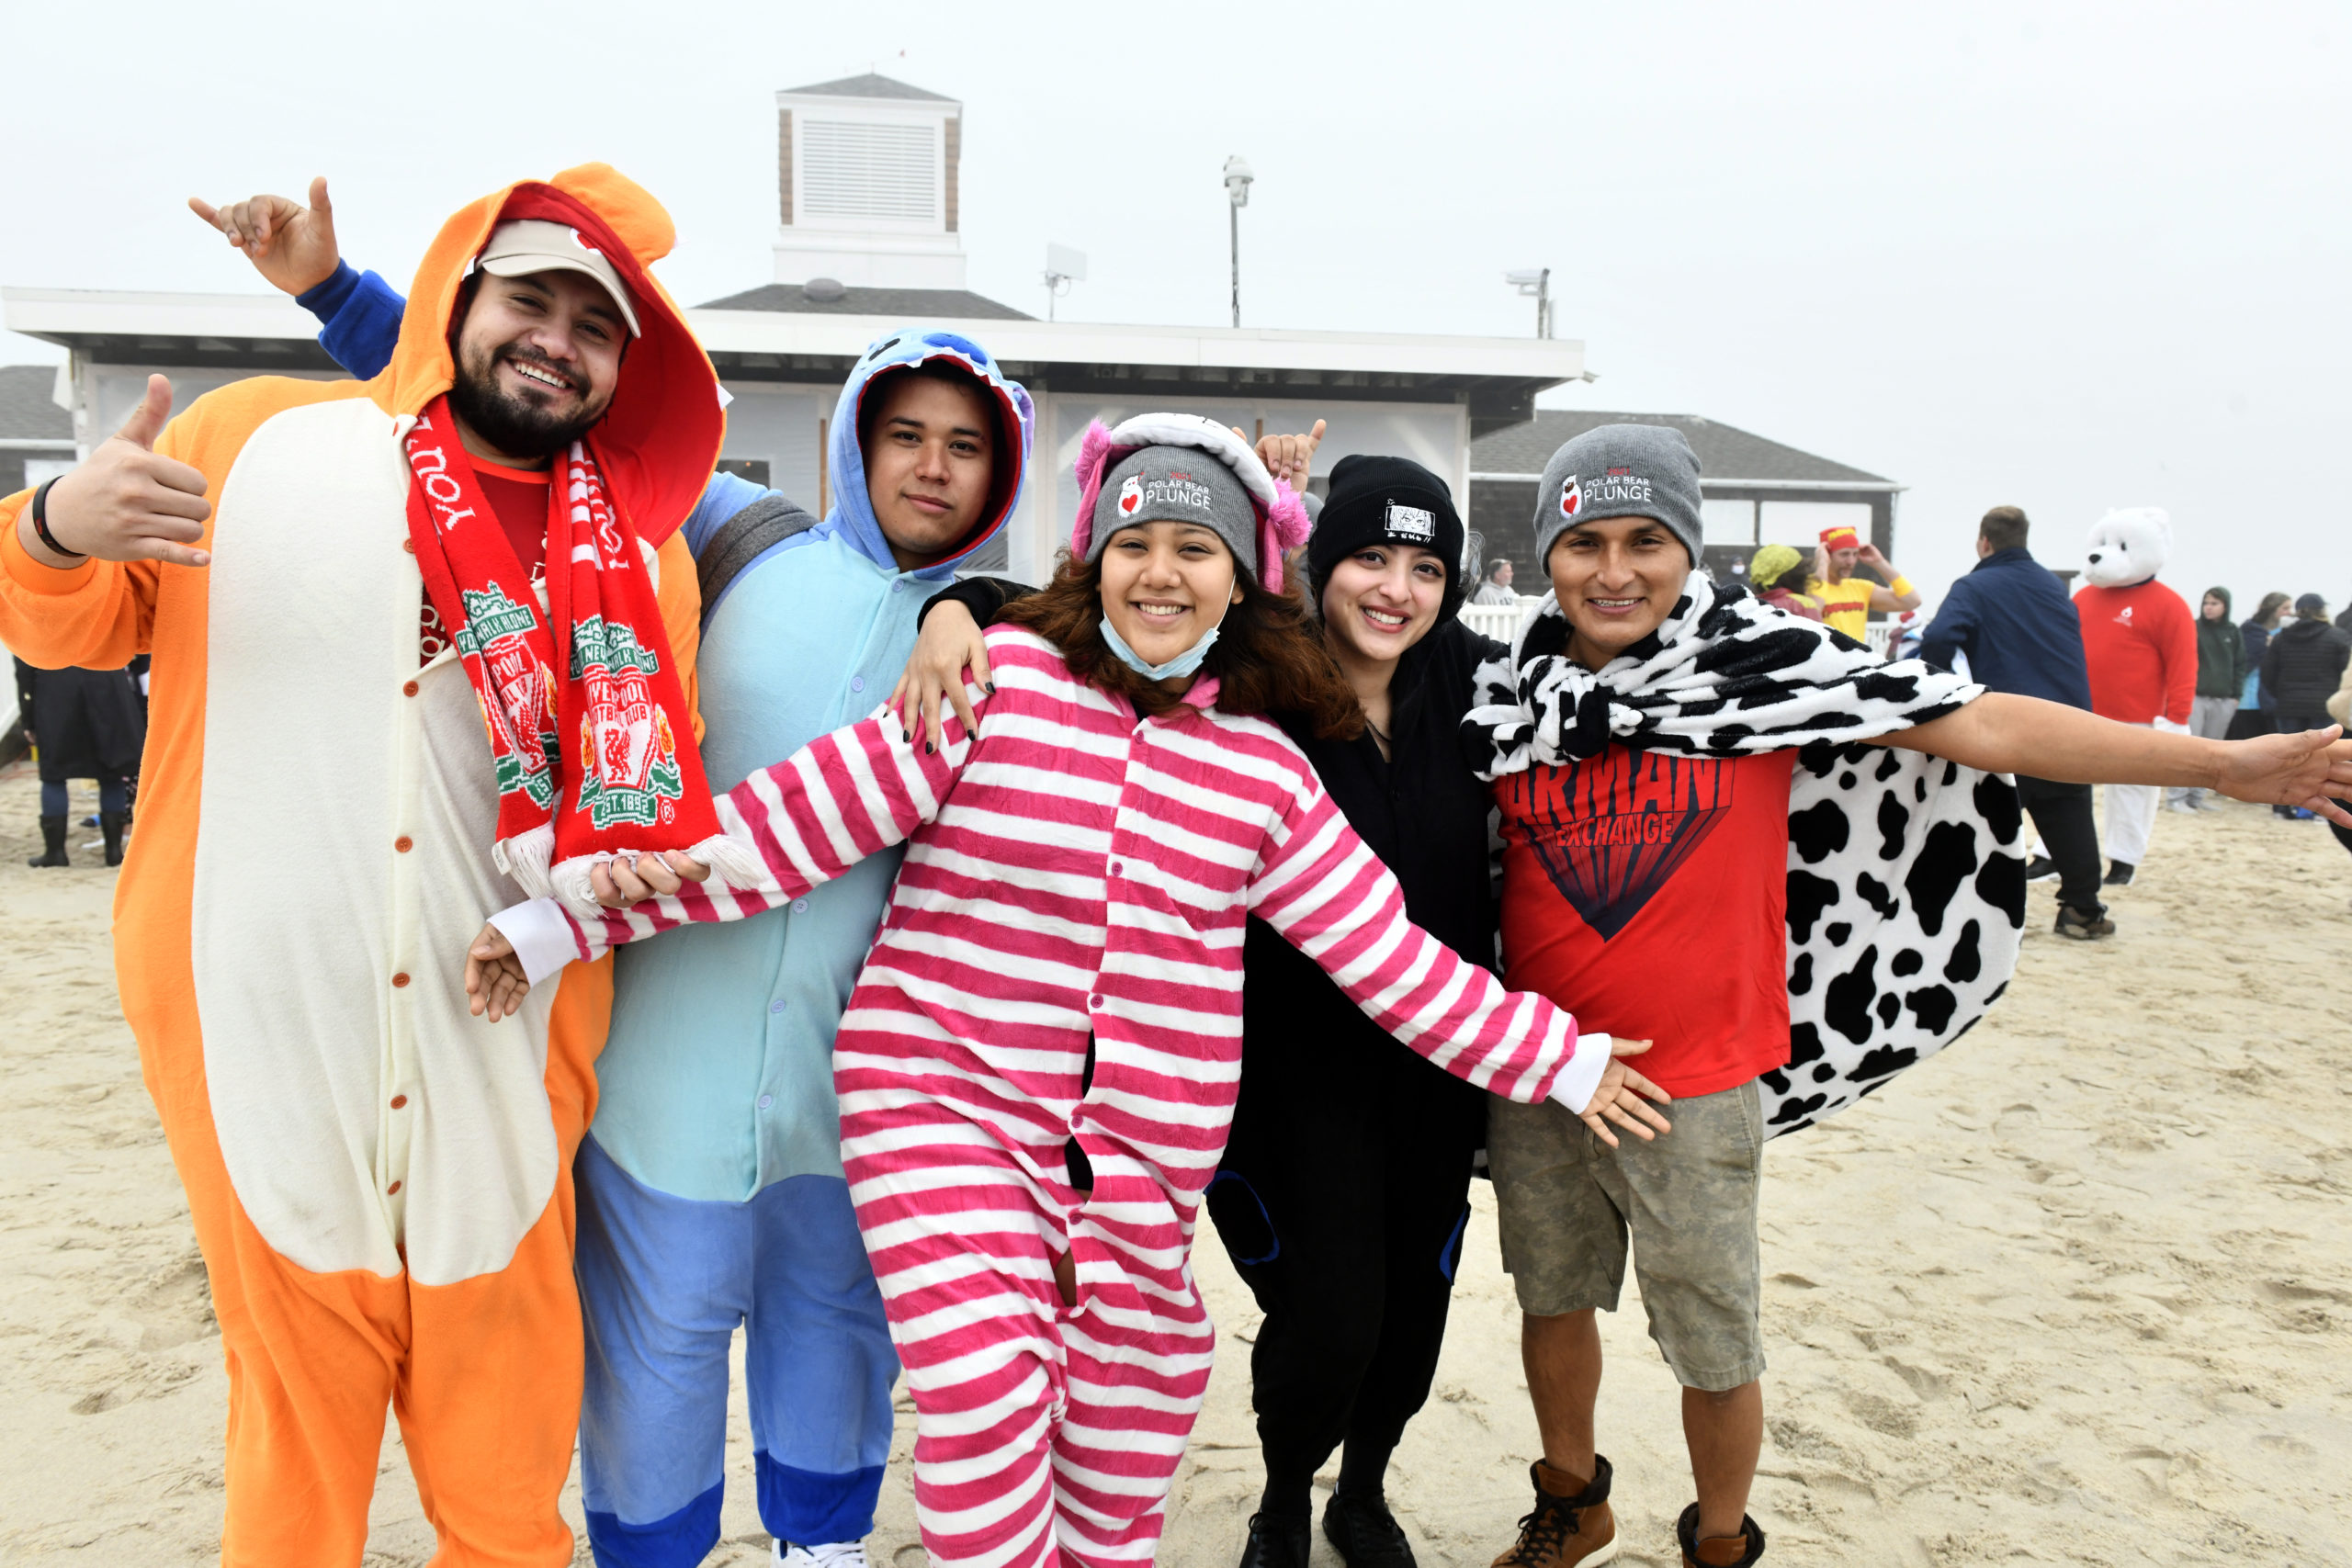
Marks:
<point>2140,641</point>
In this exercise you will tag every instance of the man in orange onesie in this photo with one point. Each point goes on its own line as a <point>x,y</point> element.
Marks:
<point>380,1183</point>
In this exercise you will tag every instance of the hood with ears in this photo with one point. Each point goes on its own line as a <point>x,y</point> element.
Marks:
<point>1282,516</point>
<point>661,437</point>
<point>2128,545</point>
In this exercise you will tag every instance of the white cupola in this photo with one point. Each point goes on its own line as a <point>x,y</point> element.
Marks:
<point>866,174</point>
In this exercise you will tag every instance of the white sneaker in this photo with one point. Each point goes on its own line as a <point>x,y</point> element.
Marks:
<point>832,1554</point>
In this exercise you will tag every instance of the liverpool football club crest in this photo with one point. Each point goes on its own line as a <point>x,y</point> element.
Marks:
<point>522,740</point>
<point>628,754</point>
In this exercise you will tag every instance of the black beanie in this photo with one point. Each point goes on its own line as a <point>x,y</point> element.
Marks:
<point>1386,501</point>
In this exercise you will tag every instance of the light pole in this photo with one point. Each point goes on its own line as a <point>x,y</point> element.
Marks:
<point>1535,283</point>
<point>1237,191</point>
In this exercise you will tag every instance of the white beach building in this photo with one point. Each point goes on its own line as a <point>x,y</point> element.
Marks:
<point>868,239</point>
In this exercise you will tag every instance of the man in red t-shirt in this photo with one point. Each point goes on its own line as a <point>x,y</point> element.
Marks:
<point>1646,888</point>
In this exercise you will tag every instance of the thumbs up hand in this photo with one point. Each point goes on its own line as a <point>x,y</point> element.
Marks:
<point>292,245</point>
<point>126,502</point>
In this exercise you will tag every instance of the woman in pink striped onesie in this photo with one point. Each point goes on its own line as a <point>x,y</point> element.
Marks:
<point>1037,1068</point>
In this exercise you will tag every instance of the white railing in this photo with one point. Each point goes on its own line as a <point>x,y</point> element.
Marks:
<point>1501,623</point>
<point>1498,621</point>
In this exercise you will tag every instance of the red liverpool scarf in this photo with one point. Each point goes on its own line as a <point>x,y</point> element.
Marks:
<point>628,783</point>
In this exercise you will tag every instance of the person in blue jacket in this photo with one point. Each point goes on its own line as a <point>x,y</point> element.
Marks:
<point>2012,619</point>
<point>710,1185</point>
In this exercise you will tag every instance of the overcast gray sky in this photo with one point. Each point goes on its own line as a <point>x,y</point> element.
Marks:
<point>2067,256</point>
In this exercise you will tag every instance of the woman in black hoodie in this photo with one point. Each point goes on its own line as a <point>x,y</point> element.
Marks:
<point>1344,1190</point>
<point>2300,669</point>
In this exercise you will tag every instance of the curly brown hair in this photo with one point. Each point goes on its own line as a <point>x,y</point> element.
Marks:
<point>1270,658</point>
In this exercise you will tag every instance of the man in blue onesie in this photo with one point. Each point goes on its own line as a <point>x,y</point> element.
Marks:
<point>710,1184</point>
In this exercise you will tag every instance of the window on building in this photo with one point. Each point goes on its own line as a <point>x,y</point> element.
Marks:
<point>1800,522</point>
<point>1727,521</point>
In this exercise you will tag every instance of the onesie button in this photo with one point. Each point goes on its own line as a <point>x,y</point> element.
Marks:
<point>409,544</point>
<point>766,1100</point>
<point>800,906</point>
<point>404,843</point>
<point>898,584</point>
<point>775,1007</point>
<point>400,979</point>
<point>857,682</point>
<point>408,689</point>
<point>392,1188</point>
<point>399,1100</point>
<point>1118,868</point>
<point>1095,1001</point>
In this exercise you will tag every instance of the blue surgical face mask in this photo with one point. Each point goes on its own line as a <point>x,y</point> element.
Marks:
<point>1184,663</point>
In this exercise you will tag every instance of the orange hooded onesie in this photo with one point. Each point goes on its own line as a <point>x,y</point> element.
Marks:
<point>380,1183</point>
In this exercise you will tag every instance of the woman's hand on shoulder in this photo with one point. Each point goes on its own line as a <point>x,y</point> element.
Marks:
<point>950,643</point>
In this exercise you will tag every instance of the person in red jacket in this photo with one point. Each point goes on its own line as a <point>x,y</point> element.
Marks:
<point>2140,641</point>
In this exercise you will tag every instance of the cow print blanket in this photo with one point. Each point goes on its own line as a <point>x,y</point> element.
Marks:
<point>1906,873</point>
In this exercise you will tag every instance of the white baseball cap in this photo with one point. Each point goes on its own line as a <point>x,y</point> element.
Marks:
<point>525,245</point>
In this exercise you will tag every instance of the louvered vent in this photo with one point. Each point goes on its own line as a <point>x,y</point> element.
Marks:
<point>853,169</point>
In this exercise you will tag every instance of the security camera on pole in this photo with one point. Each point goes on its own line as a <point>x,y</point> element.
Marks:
<point>1237,190</point>
<point>1064,266</point>
<point>1535,282</point>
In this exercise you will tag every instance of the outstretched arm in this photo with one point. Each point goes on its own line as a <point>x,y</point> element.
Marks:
<point>807,819</point>
<point>2000,733</point>
<point>1335,901</point>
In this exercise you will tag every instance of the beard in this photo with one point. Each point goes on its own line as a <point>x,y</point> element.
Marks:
<point>519,425</point>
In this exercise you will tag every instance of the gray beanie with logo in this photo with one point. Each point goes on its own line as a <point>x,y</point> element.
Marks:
<point>1177,484</point>
<point>1620,470</point>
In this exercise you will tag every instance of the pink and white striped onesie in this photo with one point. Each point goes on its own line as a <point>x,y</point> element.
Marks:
<point>1075,871</point>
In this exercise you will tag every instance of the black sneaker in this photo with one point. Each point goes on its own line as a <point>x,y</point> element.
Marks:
<point>2119,874</point>
<point>2084,927</point>
<point>1366,1534</point>
<point>2041,868</point>
<point>1279,1543</point>
<point>1717,1552</point>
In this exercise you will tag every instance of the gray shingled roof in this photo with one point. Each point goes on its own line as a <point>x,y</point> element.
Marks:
<point>907,304</point>
<point>26,412</point>
<point>870,86</point>
<point>1727,454</point>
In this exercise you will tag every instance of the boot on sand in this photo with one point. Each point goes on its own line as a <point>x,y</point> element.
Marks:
<point>1571,1526</point>
<point>1366,1534</point>
<point>52,837</point>
<point>1278,1542</point>
<point>110,824</point>
<point>1718,1551</point>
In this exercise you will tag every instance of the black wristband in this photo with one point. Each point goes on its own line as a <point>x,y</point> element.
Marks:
<point>41,521</point>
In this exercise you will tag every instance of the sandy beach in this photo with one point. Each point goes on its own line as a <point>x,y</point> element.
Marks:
<point>2079,1291</point>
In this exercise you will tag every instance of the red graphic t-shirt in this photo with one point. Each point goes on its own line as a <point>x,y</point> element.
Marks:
<point>520,499</point>
<point>1647,893</point>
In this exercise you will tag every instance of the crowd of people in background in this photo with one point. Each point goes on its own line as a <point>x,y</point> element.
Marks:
<point>2012,625</point>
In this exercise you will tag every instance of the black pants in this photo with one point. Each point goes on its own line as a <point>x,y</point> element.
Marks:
<point>2062,815</point>
<point>1341,1201</point>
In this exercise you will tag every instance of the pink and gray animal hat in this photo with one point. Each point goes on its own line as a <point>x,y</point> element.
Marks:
<point>1182,468</point>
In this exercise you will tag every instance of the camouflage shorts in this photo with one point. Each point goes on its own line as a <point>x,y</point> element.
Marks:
<point>1567,1200</point>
